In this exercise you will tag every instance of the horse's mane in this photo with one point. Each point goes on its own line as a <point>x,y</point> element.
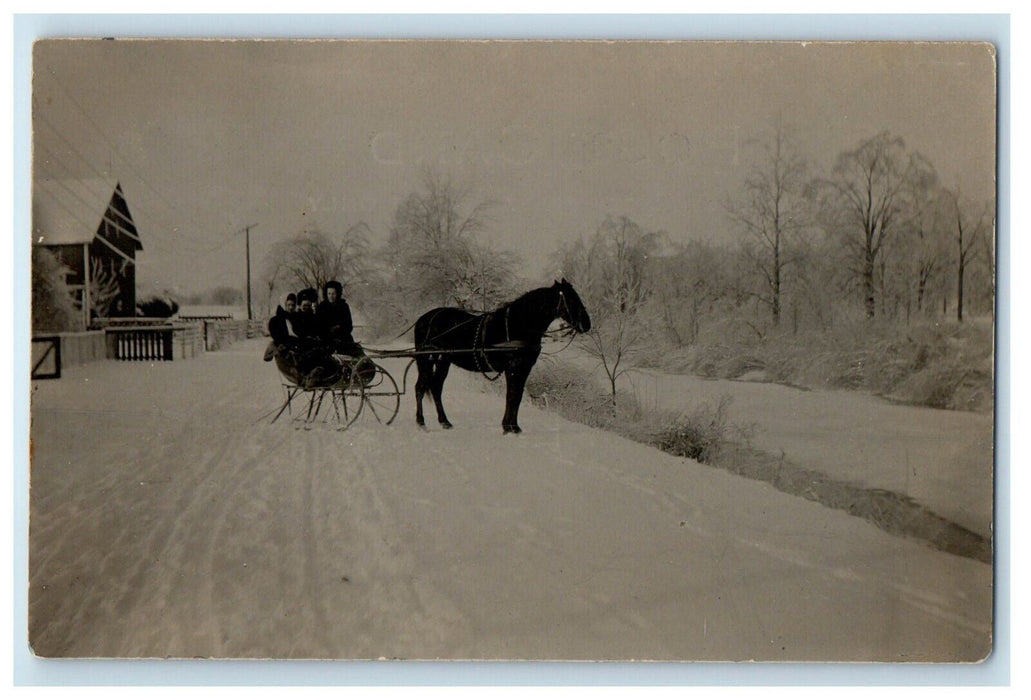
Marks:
<point>526,297</point>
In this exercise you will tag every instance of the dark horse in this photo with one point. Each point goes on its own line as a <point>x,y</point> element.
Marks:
<point>507,340</point>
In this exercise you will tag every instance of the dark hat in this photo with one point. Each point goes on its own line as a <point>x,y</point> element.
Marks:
<point>308,294</point>
<point>291,297</point>
<point>333,284</point>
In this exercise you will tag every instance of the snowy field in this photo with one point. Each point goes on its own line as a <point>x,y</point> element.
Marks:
<point>942,459</point>
<point>167,519</point>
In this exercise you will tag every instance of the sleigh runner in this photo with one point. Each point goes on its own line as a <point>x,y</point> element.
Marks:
<point>365,390</point>
<point>357,389</point>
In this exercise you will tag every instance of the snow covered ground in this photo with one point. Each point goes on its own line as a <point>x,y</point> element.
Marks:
<point>167,519</point>
<point>943,459</point>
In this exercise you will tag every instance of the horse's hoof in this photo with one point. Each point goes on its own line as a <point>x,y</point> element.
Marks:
<point>514,429</point>
<point>446,426</point>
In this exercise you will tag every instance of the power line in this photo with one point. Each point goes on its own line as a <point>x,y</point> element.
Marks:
<point>101,175</point>
<point>96,127</point>
<point>61,183</point>
<point>191,247</point>
<point>155,241</point>
<point>128,163</point>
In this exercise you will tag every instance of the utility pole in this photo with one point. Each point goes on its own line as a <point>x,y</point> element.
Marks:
<point>247,234</point>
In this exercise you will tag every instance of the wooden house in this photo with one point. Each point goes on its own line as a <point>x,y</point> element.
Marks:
<point>88,225</point>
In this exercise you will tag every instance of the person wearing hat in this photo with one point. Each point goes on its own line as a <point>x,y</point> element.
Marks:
<point>299,354</point>
<point>305,323</point>
<point>281,325</point>
<point>334,320</point>
<point>281,329</point>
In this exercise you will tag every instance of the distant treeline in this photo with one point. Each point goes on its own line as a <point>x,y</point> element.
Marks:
<point>879,236</point>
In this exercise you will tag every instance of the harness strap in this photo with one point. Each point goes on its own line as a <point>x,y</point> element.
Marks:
<point>481,356</point>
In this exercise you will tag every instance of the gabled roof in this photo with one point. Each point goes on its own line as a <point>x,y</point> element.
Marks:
<point>70,211</point>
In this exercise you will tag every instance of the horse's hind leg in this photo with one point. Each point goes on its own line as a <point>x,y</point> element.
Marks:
<point>422,385</point>
<point>440,370</point>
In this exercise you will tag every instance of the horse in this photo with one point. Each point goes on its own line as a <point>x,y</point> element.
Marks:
<point>506,340</point>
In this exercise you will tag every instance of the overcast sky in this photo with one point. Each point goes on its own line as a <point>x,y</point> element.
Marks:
<point>207,137</point>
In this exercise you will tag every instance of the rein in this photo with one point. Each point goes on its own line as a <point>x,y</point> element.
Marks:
<point>480,350</point>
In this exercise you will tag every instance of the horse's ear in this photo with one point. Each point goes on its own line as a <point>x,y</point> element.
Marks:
<point>556,284</point>
<point>564,281</point>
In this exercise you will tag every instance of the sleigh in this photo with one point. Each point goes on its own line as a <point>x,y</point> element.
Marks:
<point>341,389</point>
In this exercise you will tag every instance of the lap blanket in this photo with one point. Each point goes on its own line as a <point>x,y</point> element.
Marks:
<point>309,366</point>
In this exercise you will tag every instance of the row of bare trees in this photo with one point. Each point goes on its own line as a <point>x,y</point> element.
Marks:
<point>893,230</point>
<point>877,237</point>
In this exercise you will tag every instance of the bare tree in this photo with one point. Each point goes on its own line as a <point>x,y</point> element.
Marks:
<point>312,259</point>
<point>968,234</point>
<point>915,258</point>
<point>432,239</point>
<point>868,196</point>
<point>928,255</point>
<point>489,278</point>
<point>104,286</point>
<point>616,342</point>
<point>685,287</point>
<point>272,270</point>
<point>610,271</point>
<point>771,211</point>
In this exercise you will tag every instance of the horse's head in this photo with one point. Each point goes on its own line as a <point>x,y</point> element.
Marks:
<point>570,308</point>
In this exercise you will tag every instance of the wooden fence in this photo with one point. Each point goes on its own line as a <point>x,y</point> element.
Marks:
<point>220,333</point>
<point>156,340</point>
<point>140,344</point>
<point>53,351</point>
<point>154,343</point>
<point>46,357</point>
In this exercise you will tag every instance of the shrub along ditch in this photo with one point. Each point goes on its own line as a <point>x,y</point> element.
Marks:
<point>940,365</point>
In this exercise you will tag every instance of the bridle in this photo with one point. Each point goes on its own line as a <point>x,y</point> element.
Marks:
<point>566,331</point>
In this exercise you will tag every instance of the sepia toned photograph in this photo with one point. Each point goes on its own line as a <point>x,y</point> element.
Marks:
<point>512,350</point>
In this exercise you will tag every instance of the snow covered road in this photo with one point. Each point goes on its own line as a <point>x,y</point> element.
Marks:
<point>166,520</point>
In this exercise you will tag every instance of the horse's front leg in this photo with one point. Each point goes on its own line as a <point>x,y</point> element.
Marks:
<point>515,382</point>
<point>440,370</point>
<point>422,385</point>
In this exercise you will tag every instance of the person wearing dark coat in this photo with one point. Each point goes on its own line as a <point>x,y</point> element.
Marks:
<point>304,321</point>
<point>303,358</point>
<point>334,320</point>
<point>280,326</point>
